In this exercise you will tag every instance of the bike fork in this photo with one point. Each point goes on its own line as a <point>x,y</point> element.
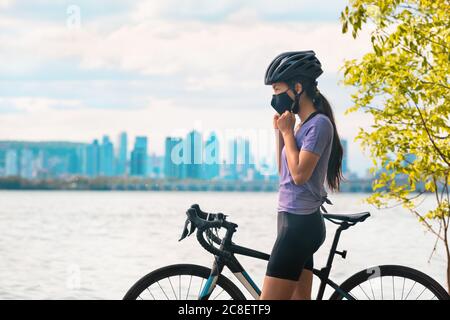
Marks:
<point>210,284</point>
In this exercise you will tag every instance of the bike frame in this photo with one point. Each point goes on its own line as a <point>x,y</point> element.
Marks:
<point>244,278</point>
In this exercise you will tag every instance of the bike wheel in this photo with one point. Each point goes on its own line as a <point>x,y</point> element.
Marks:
<point>181,282</point>
<point>391,283</point>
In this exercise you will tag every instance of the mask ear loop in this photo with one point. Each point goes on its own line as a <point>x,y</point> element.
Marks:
<point>295,107</point>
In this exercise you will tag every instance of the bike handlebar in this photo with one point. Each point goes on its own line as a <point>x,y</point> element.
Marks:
<point>204,222</point>
<point>209,247</point>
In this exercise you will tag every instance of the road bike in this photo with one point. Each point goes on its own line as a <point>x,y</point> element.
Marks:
<point>195,282</point>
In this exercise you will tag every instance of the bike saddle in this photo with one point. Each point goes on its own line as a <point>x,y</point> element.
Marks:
<point>352,218</point>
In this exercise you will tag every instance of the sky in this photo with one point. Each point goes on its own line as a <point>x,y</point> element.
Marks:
<point>76,70</point>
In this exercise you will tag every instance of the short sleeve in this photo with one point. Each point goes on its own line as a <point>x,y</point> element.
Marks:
<point>318,137</point>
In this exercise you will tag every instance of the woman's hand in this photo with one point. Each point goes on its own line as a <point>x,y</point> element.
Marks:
<point>275,119</point>
<point>286,122</point>
<point>297,128</point>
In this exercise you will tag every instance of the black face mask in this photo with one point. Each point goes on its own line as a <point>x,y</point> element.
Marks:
<point>282,102</point>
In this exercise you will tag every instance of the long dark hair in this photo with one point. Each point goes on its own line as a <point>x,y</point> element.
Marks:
<point>334,171</point>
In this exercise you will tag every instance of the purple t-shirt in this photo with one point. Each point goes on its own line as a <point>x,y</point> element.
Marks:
<point>316,136</point>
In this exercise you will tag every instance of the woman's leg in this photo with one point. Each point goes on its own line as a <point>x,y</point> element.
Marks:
<point>304,283</point>
<point>277,288</point>
<point>304,286</point>
<point>275,285</point>
<point>298,238</point>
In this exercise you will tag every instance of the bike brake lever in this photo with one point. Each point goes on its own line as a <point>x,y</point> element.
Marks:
<point>192,229</point>
<point>184,234</point>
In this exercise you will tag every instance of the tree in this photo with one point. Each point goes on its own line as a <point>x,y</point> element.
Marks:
<point>403,83</point>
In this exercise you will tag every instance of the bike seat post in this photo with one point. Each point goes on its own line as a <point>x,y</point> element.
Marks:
<point>337,235</point>
<point>325,272</point>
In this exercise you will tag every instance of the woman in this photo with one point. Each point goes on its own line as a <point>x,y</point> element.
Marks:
<point>305,157</point>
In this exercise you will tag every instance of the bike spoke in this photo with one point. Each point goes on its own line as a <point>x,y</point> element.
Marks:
<point>172,289</point>
<point>403,288</point>
<point>406,298</point>
<point>381,279</point>
<point>424,288</point>
<point>218,294</point>
<point>187,294</point>
<point>364,292</point>
<point>371,288</point>
<point>393,287</point>
<point>162,290</point>
<point>433,296</point>
<point>351,295</point>
<point>410,289</point>
<point>148,289</point>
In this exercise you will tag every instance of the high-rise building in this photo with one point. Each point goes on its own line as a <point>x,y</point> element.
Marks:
<point>173,158</point>
<point>344,157</point>
<point>32,160</point>
<point>93,159</point>
<point>11,163</point>
<point>39,164</point>
<point>211,157</point>
<point>238,158</point>
<point>193,155</point>
<point>139,157</point>
<point>155,166</point>
<point>122,156</point>
<point>26,164</point>
<point>266,169</point>
<point>106,167</point>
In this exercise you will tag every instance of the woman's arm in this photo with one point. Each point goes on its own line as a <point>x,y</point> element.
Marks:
<point>301,164</point>
<point>280,145</point>
<point>278,141</point>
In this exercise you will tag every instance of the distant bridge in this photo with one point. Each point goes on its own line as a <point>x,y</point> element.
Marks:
<point>132,183</point>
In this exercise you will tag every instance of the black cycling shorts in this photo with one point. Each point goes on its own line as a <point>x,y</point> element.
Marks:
<point>299,237</point>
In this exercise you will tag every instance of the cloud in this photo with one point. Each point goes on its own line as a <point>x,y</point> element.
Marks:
<point>32,105</point>
<point>6,3</point>
<point>156,48</point>
<point>219,10</point>
<point>192,62</point>
<point>156,65</point>
<point>232,47</point>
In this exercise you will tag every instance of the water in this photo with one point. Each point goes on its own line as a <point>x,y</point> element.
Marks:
<point>95,245</point>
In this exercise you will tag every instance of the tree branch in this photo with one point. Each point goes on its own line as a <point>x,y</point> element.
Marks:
<point>435,83</point>
<point>428,132</point>
<point>435,243</point>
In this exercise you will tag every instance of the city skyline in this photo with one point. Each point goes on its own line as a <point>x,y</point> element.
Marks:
<point>195,156</point>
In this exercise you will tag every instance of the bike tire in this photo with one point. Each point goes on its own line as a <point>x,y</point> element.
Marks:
<point>176,270</point>
<point>392,271</point>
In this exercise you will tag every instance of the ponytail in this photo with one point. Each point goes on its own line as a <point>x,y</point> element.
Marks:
<point>334,172</point>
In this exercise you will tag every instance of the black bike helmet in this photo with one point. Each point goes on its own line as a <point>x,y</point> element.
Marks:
<point>293,65</point>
